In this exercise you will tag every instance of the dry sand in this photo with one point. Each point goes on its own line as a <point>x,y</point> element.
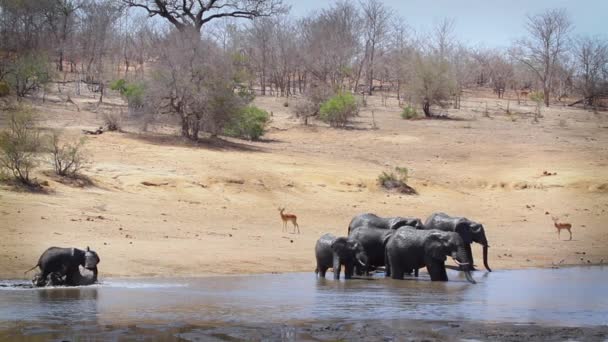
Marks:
<point>212,208</point>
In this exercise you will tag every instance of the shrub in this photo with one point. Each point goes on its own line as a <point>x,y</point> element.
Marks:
<point>339,109</point>
<point>4,89</point>
<point>68,157</point>
<point>19,146</point>
<point>132,92</point>
<point>392,181</point>
<point>112,121</point>
<point>28,73</point>
<point>249,123</point>
<point>409,113</point>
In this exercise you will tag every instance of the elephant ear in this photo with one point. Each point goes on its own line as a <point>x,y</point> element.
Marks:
<point>339,245</point>
<point>437,246</point>
<point>463,228</point>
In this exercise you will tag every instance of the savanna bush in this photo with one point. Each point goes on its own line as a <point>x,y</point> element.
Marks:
<point>409,113</point>
<point>339,109</point>
<point>68,157</point>
<point>249,123</point>
<point>20,145</point>
<point>4,89</point>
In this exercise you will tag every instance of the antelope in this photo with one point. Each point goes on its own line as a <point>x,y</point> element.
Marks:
<point>559,226</point>
<point>289,217</point>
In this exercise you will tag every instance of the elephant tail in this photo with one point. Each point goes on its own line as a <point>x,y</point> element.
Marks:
<point>30,269</point>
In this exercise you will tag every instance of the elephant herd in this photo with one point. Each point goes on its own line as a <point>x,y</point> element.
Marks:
<point>402,245</point>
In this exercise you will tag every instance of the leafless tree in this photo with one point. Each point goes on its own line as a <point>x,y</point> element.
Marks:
<point>193,14</point>
<point>547,42</point>
<point>195,82</point>
<point>330,44</point>
<point>591,60</point>
<point>376,21</point>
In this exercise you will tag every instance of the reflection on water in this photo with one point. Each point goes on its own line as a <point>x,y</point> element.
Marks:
<point>568,296</point>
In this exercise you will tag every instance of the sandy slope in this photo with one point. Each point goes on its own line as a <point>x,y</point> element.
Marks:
<point>213,208</point>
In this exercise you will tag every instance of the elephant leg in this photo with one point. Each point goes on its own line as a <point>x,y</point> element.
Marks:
<point>387,265</point>
<point>467,248</point>
<point>322,271</point>
<point>348,271</point>
<point>416,272</point>
<point>337,267</point>
<point>437,271</point>
<point>444,273</point>
<point>396,271</point>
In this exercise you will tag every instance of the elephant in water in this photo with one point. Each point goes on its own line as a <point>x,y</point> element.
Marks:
<point>372,220</point>
<point>61,266</point>
<point>469,231</point>
<point>332,252</point>
<point>409,248</point>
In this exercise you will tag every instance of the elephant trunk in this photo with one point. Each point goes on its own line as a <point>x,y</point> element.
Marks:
<point>485,257</point>
<point>464,263</point>
<point>469,277</point>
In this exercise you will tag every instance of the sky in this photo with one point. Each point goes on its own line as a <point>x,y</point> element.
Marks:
<point>489,23</point>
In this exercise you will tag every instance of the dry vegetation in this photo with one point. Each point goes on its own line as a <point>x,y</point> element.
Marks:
<point>163,191</point>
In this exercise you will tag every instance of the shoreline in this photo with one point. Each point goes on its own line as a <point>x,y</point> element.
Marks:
<point>320,330</point>
<point>215,275</point>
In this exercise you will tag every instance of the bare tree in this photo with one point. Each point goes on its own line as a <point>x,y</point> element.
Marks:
<point>376,19</point>
<point>329,44</point>
<point>195,81</point>
<point>193,14</point>
<point>547,43</point>
<point>591,59</point>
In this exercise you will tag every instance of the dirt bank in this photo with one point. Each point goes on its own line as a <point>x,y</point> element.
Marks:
<point>161,207</point>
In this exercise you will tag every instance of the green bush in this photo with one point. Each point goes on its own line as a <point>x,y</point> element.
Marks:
<point>409,113</point>
<point>339,109</point>
<point>133,92</point>
<point>249,123</point>
<point>4,89</point>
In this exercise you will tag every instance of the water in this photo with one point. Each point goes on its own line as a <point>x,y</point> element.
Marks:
<point>565,297</point>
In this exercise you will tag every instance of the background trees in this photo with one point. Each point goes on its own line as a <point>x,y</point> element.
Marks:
<point>199,61</point>
<point>545,46</point>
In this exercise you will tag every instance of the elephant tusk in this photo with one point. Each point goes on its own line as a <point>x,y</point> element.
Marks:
<point>461,263</point>
<point>361,263</point>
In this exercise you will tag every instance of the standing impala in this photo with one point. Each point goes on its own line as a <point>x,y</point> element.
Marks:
<point>561,225</point>
<point>289,217</point>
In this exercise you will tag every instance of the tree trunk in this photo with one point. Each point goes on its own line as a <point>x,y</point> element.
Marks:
<point>426,107</point>
<point>546,92</point>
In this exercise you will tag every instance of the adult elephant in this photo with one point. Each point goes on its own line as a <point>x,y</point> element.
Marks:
<point>333,252</point>
<point>372,239</point>
<point>469,231</point>
<point>62,265</point>
<point>410,248</point>
<point>376,221</point>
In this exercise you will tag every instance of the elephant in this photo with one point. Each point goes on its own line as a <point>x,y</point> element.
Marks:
<point>333,252</point>
<point>81,278</point>
<point>410,248</point>
<point>373,220</point>
<point>61,266</point>
<point>372,239</point>
<point>469,231</point>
